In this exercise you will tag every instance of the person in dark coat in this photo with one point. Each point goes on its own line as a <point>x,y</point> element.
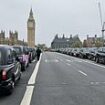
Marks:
<point>38,52</point>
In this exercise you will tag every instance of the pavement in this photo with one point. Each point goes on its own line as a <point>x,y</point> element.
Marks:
<point>58,79</point>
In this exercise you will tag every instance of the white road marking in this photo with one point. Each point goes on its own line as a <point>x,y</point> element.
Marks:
<point>69,60</point>
<point>94,64</point>
<point>78,60</point>
<point>27,96</point>
<point>48,61</point>
<point>82,73</point>
<point>34,74</point>
<point>91,83</point>
<point>29,91</point>
<point>97,83</point>
<point>89,62</point>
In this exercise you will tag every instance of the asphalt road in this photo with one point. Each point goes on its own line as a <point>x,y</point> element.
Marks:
<point>20,88</point>
<point>59,80</point>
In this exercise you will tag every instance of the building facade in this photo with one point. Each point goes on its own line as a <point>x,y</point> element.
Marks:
<point>31,30</point>
<point>64,42</point>
<point>2,37</point>
<point>93,41</point>
<point>12,39</point>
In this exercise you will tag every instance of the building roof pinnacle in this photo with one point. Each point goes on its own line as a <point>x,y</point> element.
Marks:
<point>31,14</point>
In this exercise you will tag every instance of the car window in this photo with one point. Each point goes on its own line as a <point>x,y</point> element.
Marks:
<point>10,55</point>
<point>18,50</point>
<point>103,49</point>
<point>0,57</point>
<point>100,49</point>
<point>14,53</point>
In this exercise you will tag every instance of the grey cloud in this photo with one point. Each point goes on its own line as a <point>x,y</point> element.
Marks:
<point>52,16</point>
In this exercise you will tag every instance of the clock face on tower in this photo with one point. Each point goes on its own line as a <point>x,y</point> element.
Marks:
<point>30,24</point>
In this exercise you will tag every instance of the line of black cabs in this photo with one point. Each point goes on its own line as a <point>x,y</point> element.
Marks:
<point>23,56</point>
<point>13,60</point>
<point>10,69</point>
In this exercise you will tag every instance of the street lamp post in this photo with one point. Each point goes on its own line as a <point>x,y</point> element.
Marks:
<point>102,23</point>
<point>103,34</point>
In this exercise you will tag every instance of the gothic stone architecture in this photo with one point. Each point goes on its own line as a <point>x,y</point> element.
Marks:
<point>64,42</point>
<point>12,39</point>
<point>92,41</point>
<point>13,36</point>
<point>31,30</point>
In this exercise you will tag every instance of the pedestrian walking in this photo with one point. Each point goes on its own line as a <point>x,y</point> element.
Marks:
<point>38,52</point>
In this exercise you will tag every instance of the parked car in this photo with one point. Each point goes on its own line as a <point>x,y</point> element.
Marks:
<point>10,69</point>
<point>100,55</point>
<point>76,52</point>
<point>33,53</point>
<point>72,52</point>
<point>92,53</point>
<point>83,53</point>
<point>23,56</point>
<point>69,51</point>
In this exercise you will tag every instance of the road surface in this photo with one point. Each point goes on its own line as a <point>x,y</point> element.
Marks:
<point>58,79</point>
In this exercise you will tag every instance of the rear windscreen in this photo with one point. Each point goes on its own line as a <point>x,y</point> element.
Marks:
<point>18,50</point>
<point>2,57</point>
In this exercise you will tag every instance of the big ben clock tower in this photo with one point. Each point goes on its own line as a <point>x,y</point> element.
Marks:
<point>31,30</point>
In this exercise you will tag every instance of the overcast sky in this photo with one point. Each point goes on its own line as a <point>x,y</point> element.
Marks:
<point>52,16</point>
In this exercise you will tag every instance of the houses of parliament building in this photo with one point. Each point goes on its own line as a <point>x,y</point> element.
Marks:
<point>13,36</point>
<point>12,39</point>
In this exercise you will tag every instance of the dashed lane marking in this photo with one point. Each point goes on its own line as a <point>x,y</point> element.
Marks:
<point>82,73</point>
<point>74,60</point>
<point>51,61</point>
<point>77,60</point>
<point>97,83</point>
<point>69,60</point>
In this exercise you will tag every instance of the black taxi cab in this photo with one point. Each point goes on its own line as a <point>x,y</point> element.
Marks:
<point>10,69</point>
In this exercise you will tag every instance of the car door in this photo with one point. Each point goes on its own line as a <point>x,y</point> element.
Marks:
<point>17,66</point>
<point>12,64</point>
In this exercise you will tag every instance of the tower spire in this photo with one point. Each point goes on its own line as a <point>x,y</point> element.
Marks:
<point>31,14</point>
